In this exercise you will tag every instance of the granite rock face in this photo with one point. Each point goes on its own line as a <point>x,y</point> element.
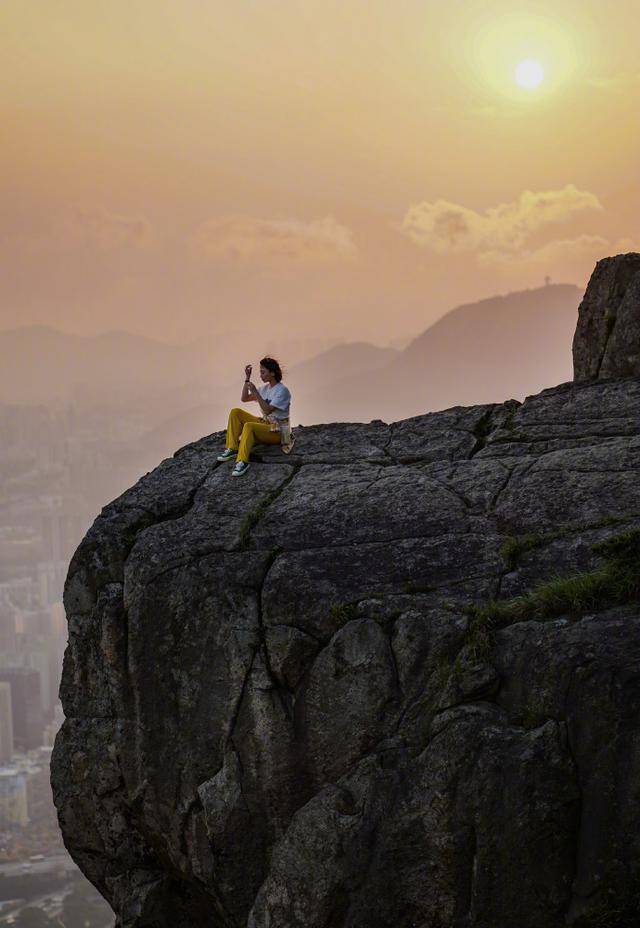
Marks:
<point>278,714</point>
<point>607,339</point>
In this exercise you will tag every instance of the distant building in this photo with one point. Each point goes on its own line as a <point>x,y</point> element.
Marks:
<point>51,576</point>
<point>8,633</point>
<point>38,789</point>
<point>43,660</point>
<point>34,641</point>
<point>20,592</point>
<point>26,705</point>
<point>63,523</point>
<point>6,725</point>
<point>58,621</point>
<point>13,798</point>
<point>34,623</point>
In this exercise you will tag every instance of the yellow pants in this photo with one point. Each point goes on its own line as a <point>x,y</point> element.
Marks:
<point>246,430</point>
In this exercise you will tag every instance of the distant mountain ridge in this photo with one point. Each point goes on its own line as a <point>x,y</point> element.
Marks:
<point>309,379</point>
<point>40,364</point>
<point>503,346</point>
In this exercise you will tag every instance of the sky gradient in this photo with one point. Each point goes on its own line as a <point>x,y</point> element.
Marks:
<point>179,169</point>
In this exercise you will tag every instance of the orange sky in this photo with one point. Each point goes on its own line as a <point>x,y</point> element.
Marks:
<point>343,167</point>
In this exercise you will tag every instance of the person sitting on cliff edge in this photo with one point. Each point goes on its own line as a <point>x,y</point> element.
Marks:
<point>272,428</point>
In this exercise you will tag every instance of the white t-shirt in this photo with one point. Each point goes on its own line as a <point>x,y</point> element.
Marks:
<point>277,395</point>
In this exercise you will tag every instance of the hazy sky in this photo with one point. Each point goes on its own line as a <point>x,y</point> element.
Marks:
<point>351,167</point>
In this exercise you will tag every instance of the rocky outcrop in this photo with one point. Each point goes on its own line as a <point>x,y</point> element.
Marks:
<point>607,339</point>
<point>390,680</point>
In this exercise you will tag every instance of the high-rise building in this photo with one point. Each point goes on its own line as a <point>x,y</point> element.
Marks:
<point>6,724</point>
<point>63,522</point>
<point>44,655</point>
<point>42,659</point>
<point>39,799</point>
<point>8,633</point>
<point>51,576</point>
<point>26,706</point>
<point>13,798</point>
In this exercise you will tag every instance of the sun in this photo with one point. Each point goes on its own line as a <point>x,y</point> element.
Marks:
<point>529,73</point>
<point>521,58</point>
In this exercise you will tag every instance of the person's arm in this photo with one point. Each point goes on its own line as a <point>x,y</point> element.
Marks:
<point>254,395</point>
<point>246,392</point>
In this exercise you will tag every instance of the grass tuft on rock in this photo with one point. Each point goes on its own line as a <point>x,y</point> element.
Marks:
<point>479,639</point>
<point>343,612</point>
<point>252,518</point>
<point>517,545</point>
<point>616,582</point>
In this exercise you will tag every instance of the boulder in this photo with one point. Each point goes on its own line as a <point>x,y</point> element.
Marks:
<point>607,338</point>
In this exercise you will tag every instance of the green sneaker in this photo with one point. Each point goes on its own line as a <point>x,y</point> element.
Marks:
<point>241,468</point>
<point>226,455</point>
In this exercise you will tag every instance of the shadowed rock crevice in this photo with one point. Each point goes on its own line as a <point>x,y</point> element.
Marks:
<point>255,515</point>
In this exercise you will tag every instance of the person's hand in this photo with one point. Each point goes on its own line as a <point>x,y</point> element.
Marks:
<point>247,372</point>
<point>250,388</point>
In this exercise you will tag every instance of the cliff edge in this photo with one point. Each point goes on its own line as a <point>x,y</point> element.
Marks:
<point>391,680</point>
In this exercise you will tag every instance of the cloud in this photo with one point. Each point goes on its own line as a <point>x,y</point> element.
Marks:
<point>551,252</point>
<point>88,231</point>
<point>573,257</point>
<point>273,242</point>
<point>79,226</point>
<point>447,227</point>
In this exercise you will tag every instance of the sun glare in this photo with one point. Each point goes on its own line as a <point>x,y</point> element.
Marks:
<point>521,57</point>
<point>529,73</point>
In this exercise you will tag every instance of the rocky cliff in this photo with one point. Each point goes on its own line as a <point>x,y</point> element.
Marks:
<point>389,681</point>
<point>607,339</point>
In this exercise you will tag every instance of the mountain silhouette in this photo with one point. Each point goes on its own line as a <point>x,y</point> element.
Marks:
<point>514,345</point>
